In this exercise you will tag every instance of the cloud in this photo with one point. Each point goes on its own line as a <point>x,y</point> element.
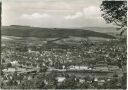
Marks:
<point>88,12</point>
<point>35,16</point>
<point>76,15</point>
<point>91,11</point>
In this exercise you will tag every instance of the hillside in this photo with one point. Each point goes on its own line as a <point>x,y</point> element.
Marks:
<point>26,31</point>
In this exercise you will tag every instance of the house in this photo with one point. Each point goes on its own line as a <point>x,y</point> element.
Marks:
<point>15,63</point>
<point>9,70</point>
<point>79,68</point>
<point>60,79</point>
<point>113,68</point>
<point>101,82</point>
<point>103,68</point>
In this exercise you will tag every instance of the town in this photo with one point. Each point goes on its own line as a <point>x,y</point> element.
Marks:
<point>97,65</point>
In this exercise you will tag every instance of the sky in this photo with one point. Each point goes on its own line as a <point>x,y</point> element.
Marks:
<point>53,13</point>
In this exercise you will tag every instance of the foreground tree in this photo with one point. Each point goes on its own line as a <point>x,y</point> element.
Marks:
<point>115,12</point>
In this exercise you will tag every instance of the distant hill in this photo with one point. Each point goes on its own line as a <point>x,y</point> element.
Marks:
<point>103,29</point>
<point>27,31</point>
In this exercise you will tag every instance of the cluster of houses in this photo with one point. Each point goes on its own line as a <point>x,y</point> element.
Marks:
<point>98,72</point>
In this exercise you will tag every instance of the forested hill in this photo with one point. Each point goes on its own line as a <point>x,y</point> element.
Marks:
<point>27,31</point>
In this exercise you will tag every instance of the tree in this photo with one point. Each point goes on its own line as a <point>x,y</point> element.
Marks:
<point>9,65</point>
<point>115,12</point>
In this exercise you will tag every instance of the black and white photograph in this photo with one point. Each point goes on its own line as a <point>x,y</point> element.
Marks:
<point>63,44</point>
